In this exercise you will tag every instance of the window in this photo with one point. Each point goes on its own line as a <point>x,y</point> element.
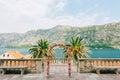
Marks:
<point>3,55</point>
<point>8,55</point>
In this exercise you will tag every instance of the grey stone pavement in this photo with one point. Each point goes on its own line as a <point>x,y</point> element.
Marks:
<point>60,73</point>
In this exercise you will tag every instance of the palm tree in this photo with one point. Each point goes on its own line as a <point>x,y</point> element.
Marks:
<point>77,49</point>
<point>40,50</point>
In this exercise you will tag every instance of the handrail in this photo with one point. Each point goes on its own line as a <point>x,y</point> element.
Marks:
<point>23,59</point>
<point>99,59</point>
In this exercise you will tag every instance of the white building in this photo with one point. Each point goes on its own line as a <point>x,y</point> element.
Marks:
<point>11,55</point>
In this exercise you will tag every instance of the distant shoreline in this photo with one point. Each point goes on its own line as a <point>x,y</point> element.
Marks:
<point>96,53</point>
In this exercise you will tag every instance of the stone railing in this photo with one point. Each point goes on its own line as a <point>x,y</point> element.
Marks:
<point>58,61</point>
<point>83,65</point>
<point>87,65</point>
<point>33,65</point>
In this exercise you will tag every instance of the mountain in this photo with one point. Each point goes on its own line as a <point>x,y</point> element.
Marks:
<point>96,36</point>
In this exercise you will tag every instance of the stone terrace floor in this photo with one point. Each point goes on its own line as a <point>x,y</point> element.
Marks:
<point>63,76</point>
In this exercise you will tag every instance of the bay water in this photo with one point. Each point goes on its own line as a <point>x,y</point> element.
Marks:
<point>96,53</point>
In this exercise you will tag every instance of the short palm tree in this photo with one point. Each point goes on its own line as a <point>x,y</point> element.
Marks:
<point>40,50</point>
<point>77,49</point>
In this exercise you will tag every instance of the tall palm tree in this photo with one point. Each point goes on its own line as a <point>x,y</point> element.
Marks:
<point>77,49</point>
<point>40,50</point>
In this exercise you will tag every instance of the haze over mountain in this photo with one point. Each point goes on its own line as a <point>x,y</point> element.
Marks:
<point>96,36</point>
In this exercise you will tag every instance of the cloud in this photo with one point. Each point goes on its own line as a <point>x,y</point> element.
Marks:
<point>24,15</point>
<point>80,20</point>
<point>61,5</point>
<point>28,7</point>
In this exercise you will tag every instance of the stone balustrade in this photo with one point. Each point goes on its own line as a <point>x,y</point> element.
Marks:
<point>38,65</point>
<point>87,65</point>
<point>59,61</point>
<point>33,65</point>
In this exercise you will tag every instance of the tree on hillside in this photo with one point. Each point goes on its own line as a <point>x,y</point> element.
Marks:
<point>77,49</point>
<point>40,50</point>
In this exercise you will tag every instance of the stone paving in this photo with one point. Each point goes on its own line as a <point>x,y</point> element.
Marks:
<point>63,76</point>
<point>60,73</point>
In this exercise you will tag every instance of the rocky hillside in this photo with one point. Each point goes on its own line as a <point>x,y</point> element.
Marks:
<point>97,36</point>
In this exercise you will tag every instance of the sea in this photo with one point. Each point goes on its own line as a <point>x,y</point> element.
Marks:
<point>96,53</point>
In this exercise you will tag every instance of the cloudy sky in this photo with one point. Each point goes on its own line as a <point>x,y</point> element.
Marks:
<point>23,15</point>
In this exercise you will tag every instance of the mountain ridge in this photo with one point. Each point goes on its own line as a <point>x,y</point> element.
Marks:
<point>96,36</point>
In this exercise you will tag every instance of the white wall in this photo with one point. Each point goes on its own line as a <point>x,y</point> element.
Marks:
<point>6,56</point>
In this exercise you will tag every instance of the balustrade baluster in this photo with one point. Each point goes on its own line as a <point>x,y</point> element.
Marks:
<point>112,63</point>
<point>109,63</point>
<point>98,63</point>
<point>103,62</point>
<point>6,62</point>
<point>94,63</point>
<point>118,64</point>
<point>30,64</point>
<point>106,63</point>
<point>115,62</point>
<point>35,64</point>
<point>10,62</point>
<point>23,62</point>
<point>27,64</point>
<point>19,63</point>
<point>1,63</point>
<point>15,63</point>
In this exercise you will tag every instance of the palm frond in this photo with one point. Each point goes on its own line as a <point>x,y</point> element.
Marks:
<point>40,50</point>
<point>77,48</point>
